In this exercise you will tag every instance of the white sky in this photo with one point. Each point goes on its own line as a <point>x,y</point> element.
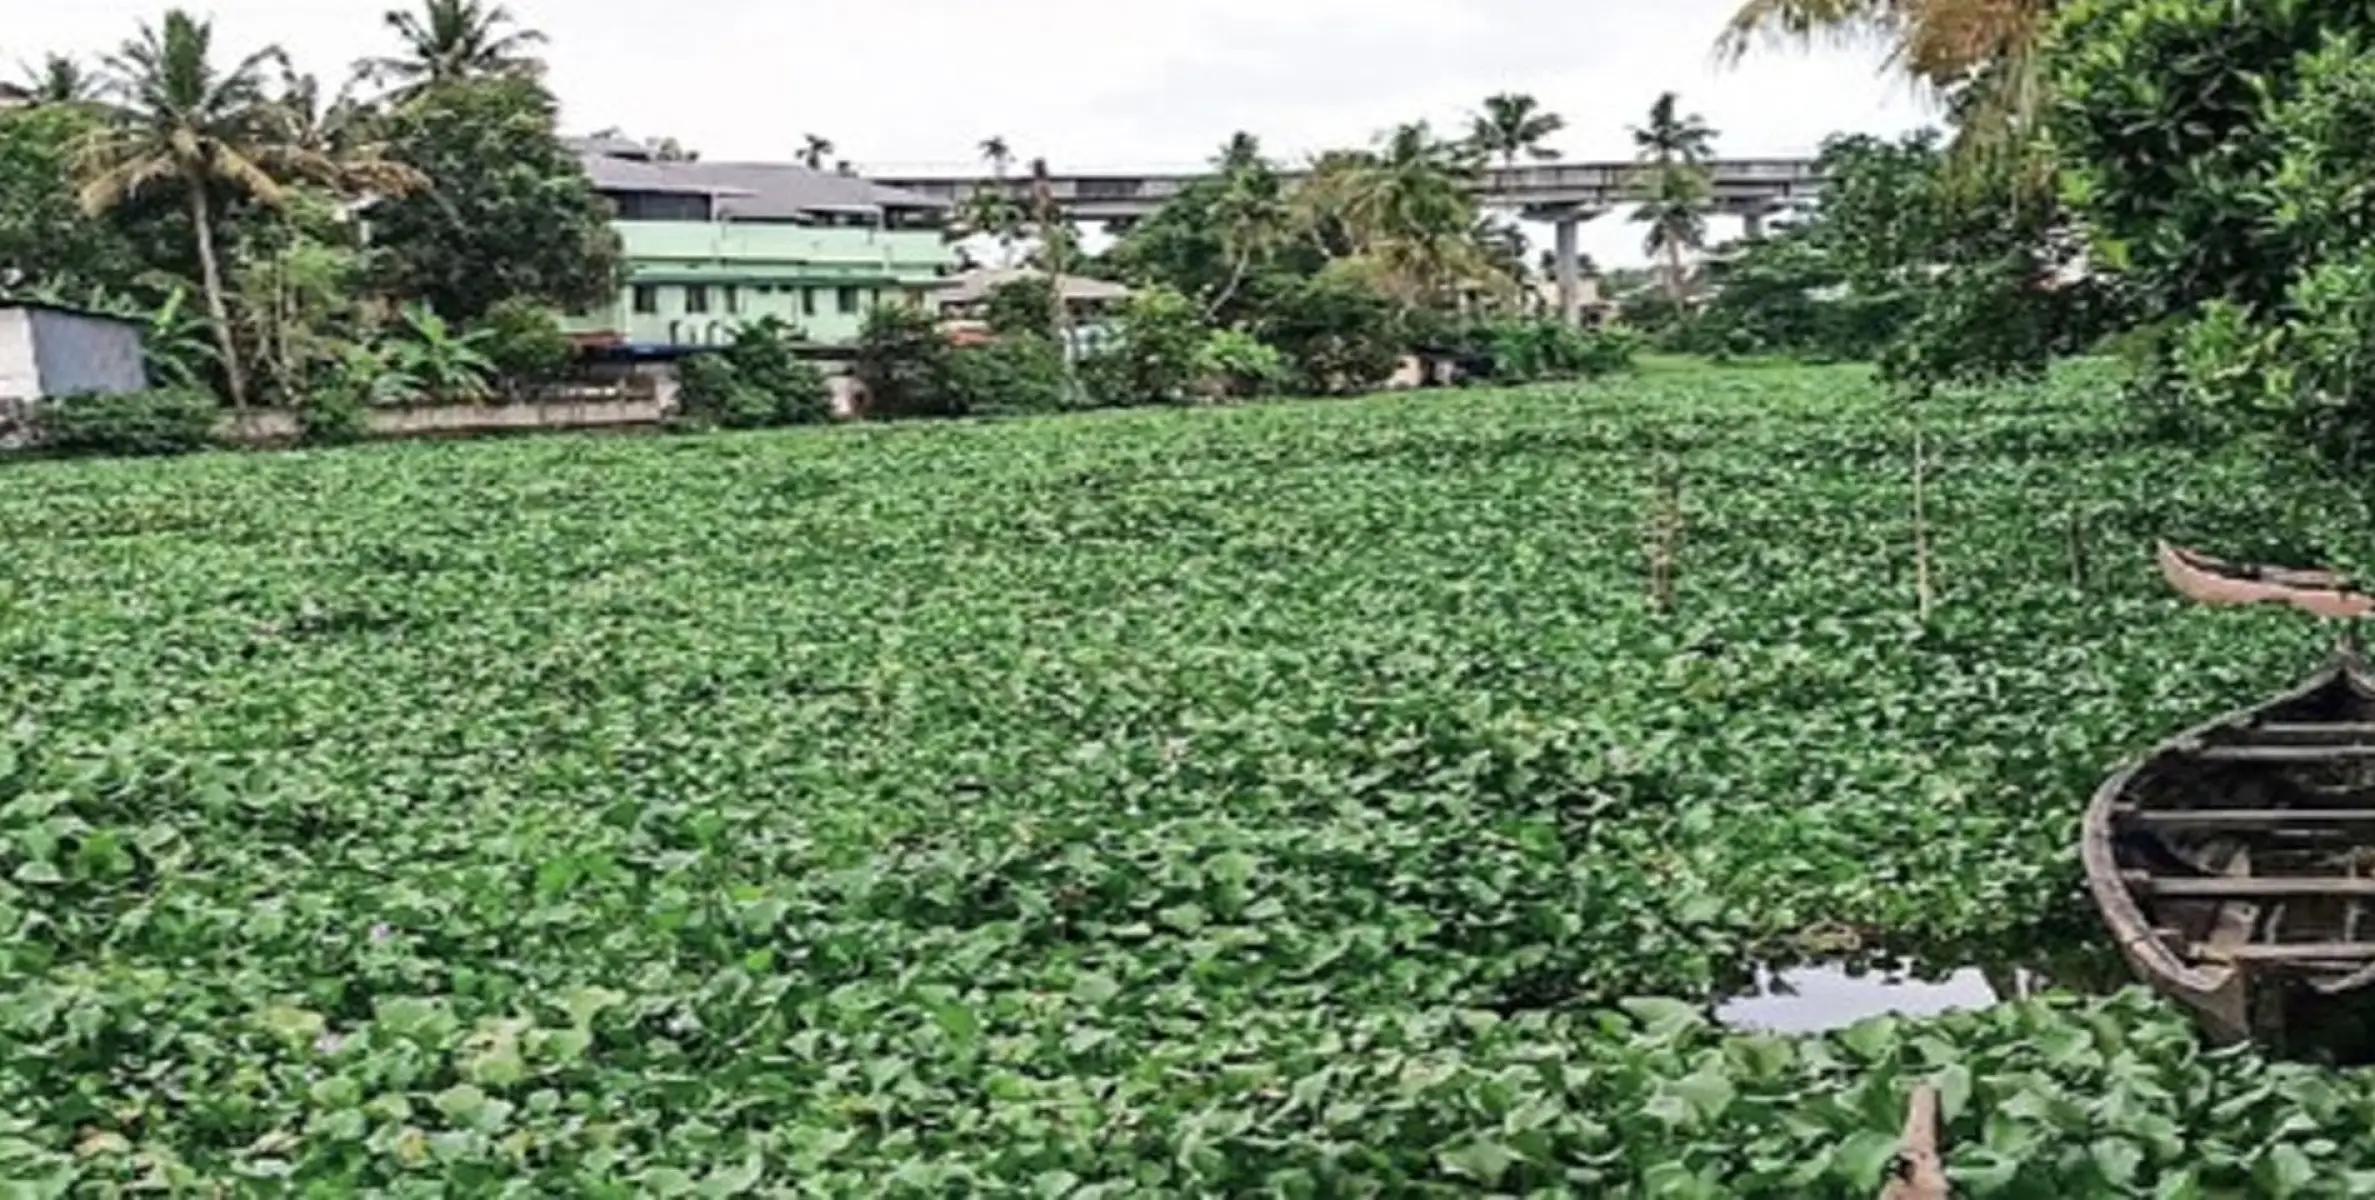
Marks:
<point>913,86</point>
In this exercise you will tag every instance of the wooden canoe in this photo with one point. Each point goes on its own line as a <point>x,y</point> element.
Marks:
<point>2209,580</point>
<point>2234,864</point>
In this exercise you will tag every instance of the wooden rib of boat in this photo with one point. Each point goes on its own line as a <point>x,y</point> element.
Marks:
<point>2234,864</point>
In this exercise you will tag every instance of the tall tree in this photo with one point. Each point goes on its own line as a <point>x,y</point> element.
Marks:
<point>1250,215</point>
<point>511,212</point>
<point>1674,149</point>
<point>47,240</point>
<point>62,79</point>
<point>1985,56</point>
<point>998,154</point>
<point>1513,125</point>
<point>814,150</point>
<point>343,139</point>
<point>1241,151</point>
<point>993,212</point>
<point>450,40</point>
<point>182,120</point>
<point>1407,208</point>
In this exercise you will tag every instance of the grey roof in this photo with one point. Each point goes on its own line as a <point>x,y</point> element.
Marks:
<point>973,287</point>
<point>756,191</point>
<point>615,147</point>
<point>632,175</point>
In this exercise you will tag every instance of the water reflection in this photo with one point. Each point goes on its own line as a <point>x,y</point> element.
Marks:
<point>1814,995</point>
<point>1813,999</point>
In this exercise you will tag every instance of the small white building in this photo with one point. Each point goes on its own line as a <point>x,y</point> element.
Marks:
<point>47,351</point>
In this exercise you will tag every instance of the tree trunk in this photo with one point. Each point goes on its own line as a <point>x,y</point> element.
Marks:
<point>1674,272</point>
<point>202,215</point>
<point>1229,291</point>
<point>1924,588</point>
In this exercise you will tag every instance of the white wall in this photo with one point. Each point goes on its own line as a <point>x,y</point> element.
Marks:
<point>20,378</point>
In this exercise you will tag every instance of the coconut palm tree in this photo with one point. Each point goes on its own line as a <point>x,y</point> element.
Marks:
<point>1674,149</point>
<point>996,212</point>
<point>180,119</point>
<point>448,40</point>
<point>1251,215</point>
<point>61,79</point>
<point>815,151</point>
<point>1405,205</point>
<point>998,154</point>
<point>337,140</point>
<point>1241,151</point>
<point>1676,212</point>
<point>1513,125</point>
<point>1985,53</point>
<point>1669,136</point>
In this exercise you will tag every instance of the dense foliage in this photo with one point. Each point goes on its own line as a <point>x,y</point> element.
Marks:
<point>906,367</point>
<point>165,421</point>
<point>45,236</point>
<point>185,181</point>
<point>510,214</point>
<point>2219,156</point>
<point>1016,375</point>
<point>1269,800</point>
<point>757,381</point>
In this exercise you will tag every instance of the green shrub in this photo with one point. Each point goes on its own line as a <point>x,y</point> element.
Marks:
<point>1526,349</point>
<point>1014,375</point>
<point>1153,358</point>
<point>1608,351</point>
<point>525,344</point>
<point>1024,305</point>
<point>1338,333</point>
<point>907,366</point>
<point>1233,362</point>
<point>162,421</point>
<point>754,382</point>
<point>333,416</point>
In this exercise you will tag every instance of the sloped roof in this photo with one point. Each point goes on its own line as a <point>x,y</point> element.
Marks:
<point>755,191</point>
<point>972,287</point>
<point>613,174</point>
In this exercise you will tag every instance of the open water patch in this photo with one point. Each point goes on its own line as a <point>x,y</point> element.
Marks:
<point>1819,994</point>
<point>1819,997</point>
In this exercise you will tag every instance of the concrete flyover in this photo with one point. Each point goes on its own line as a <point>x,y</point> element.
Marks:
<point>1564,194</point>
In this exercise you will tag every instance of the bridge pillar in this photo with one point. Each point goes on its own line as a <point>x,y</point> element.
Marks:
<point>1570,286</point>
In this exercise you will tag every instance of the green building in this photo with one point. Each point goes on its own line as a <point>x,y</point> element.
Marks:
<point>712,245</point>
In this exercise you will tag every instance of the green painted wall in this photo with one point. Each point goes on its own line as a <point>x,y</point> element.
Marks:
<point>822,280</point>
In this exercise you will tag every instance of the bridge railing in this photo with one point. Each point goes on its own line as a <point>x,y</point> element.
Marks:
<point>1732,180</point>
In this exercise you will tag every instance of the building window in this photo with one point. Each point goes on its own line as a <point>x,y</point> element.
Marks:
<point>807,302</point>
<point>733,299</point>
<point>647,298</point>
<point>845,299</point>
<point>696,297</point>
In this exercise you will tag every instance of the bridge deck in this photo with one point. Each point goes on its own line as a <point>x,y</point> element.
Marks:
<point>1750,184</point>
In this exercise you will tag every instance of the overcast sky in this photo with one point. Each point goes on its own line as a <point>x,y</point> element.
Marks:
<point>915,85</point>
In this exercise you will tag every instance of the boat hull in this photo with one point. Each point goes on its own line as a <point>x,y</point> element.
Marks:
<point>2234,865</point>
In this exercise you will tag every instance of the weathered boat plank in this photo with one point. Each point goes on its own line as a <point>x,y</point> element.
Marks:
<point>2277,820</point>
<point>2232,753</point>
<point>2288,952</point>
<point>2314,731</point>
<point>2259,887</point>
